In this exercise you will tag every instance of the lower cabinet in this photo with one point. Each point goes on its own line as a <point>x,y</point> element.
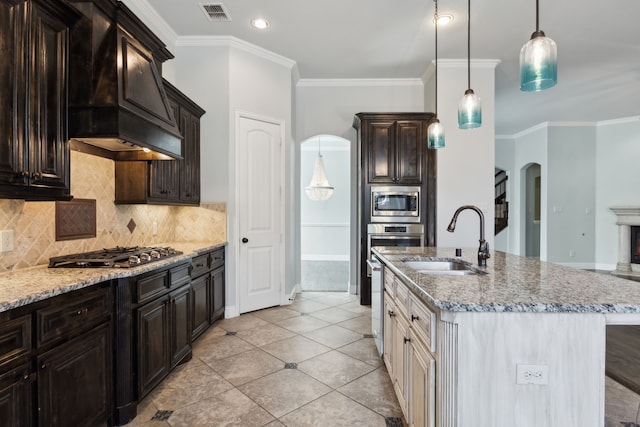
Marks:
<point>207,290</point>
<point>164,337</point>
<point>16,388</point>
<point>74,383</point>
<point>407,356</point>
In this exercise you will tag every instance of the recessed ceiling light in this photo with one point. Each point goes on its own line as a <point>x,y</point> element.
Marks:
<point>260,23</point>
<point>444,18</point>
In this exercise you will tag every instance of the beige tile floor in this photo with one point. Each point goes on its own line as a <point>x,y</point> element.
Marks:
<point>237,377</point>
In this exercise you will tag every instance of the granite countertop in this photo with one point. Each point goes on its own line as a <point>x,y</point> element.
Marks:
<point>514,284</point>
<point>25,286</point>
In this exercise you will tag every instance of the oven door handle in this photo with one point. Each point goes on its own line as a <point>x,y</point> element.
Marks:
<point>374,264</point>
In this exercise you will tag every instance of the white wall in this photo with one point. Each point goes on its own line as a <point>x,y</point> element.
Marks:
<point>617,182</point>
<point>466,164</point>
<point>571,195</point>
<point>504,157</point>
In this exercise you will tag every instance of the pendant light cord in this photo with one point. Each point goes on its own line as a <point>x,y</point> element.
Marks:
<point>469,45</point>
<point>537,18</point>
<point>436,52</point>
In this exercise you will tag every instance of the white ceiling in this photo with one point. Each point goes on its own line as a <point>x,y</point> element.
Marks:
<point>598,46</point>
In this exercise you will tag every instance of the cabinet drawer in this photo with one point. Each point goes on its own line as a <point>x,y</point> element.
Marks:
<point>217,259</point>
<point>15,338</point>
<point>402,297</point>
<point>79,313</point>
<point>179,275</point>
<point>423,321</point>
<point>199,265</point>
<point>151,286</point>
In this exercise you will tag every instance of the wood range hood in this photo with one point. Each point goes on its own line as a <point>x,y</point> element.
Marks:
<point>118,107</point>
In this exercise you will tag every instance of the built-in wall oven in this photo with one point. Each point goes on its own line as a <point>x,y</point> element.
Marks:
<point>394,203</point>
<point>400,235</point>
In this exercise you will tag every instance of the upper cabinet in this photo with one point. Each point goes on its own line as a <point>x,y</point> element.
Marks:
<point>392,146</point>
<point>169,182</point>
<point>34,148</point>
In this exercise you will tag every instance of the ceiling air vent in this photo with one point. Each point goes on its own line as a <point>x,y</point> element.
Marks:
<point>215,12</point>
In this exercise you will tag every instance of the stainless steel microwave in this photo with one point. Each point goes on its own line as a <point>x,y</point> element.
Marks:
<point>395,203</point>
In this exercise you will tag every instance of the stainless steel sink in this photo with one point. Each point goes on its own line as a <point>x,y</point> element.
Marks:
<point>442,267</point>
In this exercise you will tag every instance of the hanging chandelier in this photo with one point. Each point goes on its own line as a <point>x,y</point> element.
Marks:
<point>469,109</point>
<point>538,61</point>
<point>435,131</point>
<point>319,188</point>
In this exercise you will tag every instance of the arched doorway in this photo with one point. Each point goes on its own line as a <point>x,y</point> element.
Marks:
<point>325,231</point>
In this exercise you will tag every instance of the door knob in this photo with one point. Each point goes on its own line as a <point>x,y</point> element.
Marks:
<point>245,240</point>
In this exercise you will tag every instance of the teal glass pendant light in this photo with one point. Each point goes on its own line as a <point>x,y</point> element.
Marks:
<point>538,61</point>
<point>435,131</point>
<point>469,109</point>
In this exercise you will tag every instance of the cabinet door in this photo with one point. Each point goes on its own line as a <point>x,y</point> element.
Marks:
<point>217,294</point>
<point>401,361</point>
<point>389,328</point>
<point>409,149</point>
<point>12,97</point>
<point>153,345</point>
<point>380,145</point>
<point>190,166</point>
<point>74,381</point>
<point>48,145</point>
<point>180,324</point>
<point>200,305</point>
<point>422,374</point>
<point>164,180</point>
<point>15,397</point>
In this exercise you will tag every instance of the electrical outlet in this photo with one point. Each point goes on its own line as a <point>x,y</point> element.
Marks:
<point>6,240</point>
<point>532,374</point>
<point>154,228</point>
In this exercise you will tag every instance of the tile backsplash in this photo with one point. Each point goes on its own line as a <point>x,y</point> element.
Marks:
<point>93,178</point>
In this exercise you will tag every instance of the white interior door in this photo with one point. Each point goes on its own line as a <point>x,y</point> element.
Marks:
<point>260,213</point>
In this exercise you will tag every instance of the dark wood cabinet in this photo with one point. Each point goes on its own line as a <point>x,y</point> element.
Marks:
<point>179,302</point>
<point>200,303</point>
<point>170,182</point>
<point>164,324</point>
<point>34,148</point>
<point>74,381</point>
<point>153,345</point>
<point>393,150</point>
<point>16,406</point>
<point>207,290</point>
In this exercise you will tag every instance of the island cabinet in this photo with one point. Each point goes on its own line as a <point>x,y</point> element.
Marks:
<point>56,360</point>
<point>34,148</point>
<point>207,290</point>
<point>166,182</point>
<point>409,351</point>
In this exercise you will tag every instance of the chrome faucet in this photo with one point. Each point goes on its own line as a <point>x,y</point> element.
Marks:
<point>483,250</point>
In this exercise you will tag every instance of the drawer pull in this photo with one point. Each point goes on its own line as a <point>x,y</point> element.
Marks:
<point>217,258</point>
<point>414,318</point>
<point>199,265</point>
<point>82,312</point>
<point>391,313</point>
<point>406,340</point>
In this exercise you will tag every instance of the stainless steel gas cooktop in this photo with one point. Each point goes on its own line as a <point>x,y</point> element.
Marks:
<point>118,257</point>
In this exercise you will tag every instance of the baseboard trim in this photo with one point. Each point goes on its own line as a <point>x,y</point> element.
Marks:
<point>231,311</point>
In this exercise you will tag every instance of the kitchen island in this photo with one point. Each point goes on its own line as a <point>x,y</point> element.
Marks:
<point>521,345</point>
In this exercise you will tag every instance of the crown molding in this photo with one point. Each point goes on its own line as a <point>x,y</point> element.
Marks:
<point>358,82</point>
<point>146,12</point>
<point>624,120</point>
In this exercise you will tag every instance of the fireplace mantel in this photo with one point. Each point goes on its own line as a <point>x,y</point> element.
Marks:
<point>627,216</point>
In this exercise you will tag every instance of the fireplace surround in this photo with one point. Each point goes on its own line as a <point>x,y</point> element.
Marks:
<point>628,220</point>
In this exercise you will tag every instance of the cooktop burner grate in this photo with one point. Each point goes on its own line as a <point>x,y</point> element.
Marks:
<point>118,257</point>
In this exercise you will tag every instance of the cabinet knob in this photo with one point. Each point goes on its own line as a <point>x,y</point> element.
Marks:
<point>391,313</point>
<point>36,175</point>
<point>406,340</point>
<point>414,318</point>
<point>43,366</point>
<point>245,240</point>
<point>81,312</point>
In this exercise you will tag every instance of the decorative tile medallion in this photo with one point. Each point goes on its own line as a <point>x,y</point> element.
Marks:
<point>290,366</point>
<point>367,335</point>
<point>230,333</point>
<point>394,422</point>
<point>161,416</point>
